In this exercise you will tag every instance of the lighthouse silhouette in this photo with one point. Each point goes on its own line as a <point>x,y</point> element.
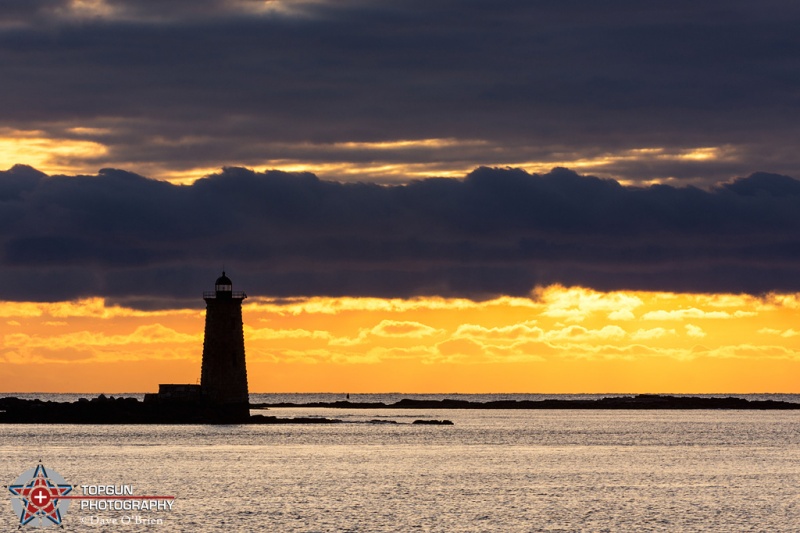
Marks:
<point>223,378</point>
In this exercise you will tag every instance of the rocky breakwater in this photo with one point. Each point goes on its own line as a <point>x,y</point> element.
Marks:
<point>110,410</point>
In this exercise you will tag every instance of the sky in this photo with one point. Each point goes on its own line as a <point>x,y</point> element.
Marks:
<point>470,196</point>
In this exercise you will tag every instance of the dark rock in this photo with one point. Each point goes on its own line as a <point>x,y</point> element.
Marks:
<point>261,419</point>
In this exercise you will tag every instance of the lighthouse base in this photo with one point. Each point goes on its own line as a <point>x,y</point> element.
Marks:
<point>190,401</point>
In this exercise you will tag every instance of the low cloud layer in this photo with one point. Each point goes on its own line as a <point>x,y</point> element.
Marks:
<point>691,91</point>
<point>496,232</point>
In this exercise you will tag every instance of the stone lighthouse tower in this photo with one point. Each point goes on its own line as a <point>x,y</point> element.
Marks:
<point>223,378</point>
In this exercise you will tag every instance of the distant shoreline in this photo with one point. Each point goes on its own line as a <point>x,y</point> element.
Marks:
<point>640,401</point>
<point>363,396</point>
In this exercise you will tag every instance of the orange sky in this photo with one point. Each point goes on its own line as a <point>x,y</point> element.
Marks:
<point>559,340</point>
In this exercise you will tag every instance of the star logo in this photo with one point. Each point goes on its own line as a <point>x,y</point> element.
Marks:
<point>36,497</point>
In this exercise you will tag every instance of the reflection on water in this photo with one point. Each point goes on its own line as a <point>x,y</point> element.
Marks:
<point>491,471</point>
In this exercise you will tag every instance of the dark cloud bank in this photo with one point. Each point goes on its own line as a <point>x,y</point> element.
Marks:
<point>197,84</point>
<point>498,231</point>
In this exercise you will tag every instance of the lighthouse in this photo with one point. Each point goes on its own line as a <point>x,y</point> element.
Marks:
<point>223,378</point>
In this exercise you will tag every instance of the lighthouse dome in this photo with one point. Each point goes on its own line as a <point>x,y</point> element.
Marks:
<point>223,286</point>
<point>223,280</point>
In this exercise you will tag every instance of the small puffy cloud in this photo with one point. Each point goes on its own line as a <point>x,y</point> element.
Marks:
<point>454,348</point>
<point>423,353</point>
<point>786,334</point>
<point>20,309</point>
<point>621,314</point>
<point>579,333</point>
<point>62,355</point>
<point>751,351</point>
<point>515,332</point>
<point>257,334</point>
<point>683,314</point>
<point>629,352</point>
<point>465,350</point>
<point>576,304</point>
<point>387,329</point>
<point>732,301</point>
<point>790,301</point>
<point>695,331</point>
<point>396,328</point>
<point>654,333</point>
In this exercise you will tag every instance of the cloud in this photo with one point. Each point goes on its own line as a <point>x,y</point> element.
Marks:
<point>424,353</point>
<point>269,334</point>
<point>326,306</point>
<point>693,312</point>
<point>579,333</point>
<point>695,331</point>
<point>471,351</point>
<point>151,334</point>
<point>515,332</point>
<point>787,334</point>
<point>84,308</point>
<point>595,351</point>
<point>681,314</point>
<point>497,232</point>
<point>696,93</point>
<point>654,333</point>
<point>749,351</point>
<point>403,328</point>
<point>397,330</point>
<point>577,304</point>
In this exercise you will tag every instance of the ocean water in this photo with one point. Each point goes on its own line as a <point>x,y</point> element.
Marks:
<point>505,471</point>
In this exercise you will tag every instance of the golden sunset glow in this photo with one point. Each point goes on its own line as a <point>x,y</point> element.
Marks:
<point>603,164</point>
<point>394,161</point>
<point>382,167</point>
<point>50,155</point>
<point>559,340</point>
<point>387,160</point>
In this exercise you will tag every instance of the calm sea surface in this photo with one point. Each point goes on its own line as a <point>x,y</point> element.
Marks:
<point>505,470</point>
